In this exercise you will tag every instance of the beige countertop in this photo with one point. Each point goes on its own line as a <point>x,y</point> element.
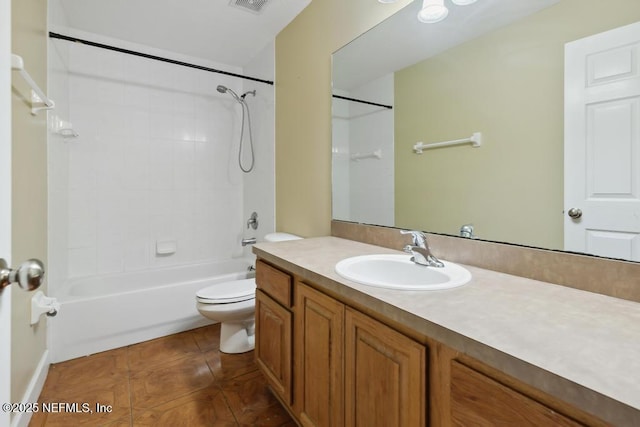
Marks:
<point>579,346</point>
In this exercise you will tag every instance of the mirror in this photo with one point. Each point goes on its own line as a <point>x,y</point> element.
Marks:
<point>495,67</point>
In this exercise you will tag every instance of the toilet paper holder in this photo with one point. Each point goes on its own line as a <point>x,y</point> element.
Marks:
<point>41,304</point>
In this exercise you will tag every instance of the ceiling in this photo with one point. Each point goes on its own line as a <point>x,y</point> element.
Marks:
<point>208,29</point>
<point>402,40</point>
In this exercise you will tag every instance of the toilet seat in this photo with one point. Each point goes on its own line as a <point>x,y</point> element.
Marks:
<point>228,292</point>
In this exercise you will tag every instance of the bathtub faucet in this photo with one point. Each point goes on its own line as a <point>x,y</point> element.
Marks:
<point>420,250</point>
<point>253,221</point>
<point>249,241</point>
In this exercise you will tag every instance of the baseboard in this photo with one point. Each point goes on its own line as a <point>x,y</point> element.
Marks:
<point>33,391</point>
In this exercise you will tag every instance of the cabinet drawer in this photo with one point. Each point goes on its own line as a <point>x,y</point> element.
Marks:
<point>277,284</point>
<point>479,400</point>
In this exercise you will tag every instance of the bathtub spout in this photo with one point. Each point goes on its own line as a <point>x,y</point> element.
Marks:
<point>249,241</point>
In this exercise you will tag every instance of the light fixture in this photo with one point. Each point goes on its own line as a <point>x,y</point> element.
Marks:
<point>432,11</point>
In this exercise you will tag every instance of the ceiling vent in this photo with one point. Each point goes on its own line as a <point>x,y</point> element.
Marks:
<point>254,6</point>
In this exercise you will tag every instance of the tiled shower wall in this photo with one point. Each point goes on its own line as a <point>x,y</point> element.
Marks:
<point>363,189</point>
<point>371,129</point>
<point>260,184</point>
<point>155,161</point>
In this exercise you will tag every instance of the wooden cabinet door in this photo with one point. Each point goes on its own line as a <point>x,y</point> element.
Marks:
<point>385,375</point>
<point>273,344</point>
<point>319,341</point>
<point>479,400</point>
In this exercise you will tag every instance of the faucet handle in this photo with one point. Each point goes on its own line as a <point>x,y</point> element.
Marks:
<point>418,237</point>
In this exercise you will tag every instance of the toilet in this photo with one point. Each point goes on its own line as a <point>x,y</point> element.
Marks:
<point>233,304</point>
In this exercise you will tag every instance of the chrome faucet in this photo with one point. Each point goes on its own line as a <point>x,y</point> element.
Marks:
<point>420,250</point>
<point>253,221</point>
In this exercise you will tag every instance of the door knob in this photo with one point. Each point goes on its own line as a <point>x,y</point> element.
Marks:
<point>574,213</point>
<point>29,275</point>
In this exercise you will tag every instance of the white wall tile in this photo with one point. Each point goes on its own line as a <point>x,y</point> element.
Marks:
<point>110,259</point>
<point>184,162</point>
<point>161,124</point>
<point>156,160</point>
<point>161,164</point>
<point>259,185</point>
<point>82,262</point>
<point>135,174</point>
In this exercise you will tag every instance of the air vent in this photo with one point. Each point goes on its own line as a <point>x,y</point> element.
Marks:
<point>254,6</point>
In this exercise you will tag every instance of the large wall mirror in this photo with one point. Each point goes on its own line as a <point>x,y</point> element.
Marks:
<point>494,67</point>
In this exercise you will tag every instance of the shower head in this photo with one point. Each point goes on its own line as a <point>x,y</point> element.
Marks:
<point>224,89</point>
<point>249,92</point>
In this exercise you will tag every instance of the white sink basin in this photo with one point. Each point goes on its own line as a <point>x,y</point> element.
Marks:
<point>399,272</point>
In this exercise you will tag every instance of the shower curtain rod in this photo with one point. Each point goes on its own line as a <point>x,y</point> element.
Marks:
<point>363,102</point>
<point>157,58</point>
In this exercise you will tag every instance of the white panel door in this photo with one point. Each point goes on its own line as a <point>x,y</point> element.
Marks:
<point>602,144</point>
<point>5,202</point>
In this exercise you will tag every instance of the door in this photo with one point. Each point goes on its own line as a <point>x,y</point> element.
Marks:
<point>274,331</point>
<point>602,144</point>
<point>5,204</point>
<point>319,341</point>
<point>385,375</point>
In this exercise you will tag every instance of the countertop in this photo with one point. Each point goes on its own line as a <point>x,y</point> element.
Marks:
<point>579,346</point>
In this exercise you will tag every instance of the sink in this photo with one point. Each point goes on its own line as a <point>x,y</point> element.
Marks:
<point>397,271</point>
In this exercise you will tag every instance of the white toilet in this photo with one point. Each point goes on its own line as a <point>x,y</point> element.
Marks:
<point>233,304</point>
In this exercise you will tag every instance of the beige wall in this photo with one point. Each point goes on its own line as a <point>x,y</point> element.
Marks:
<point>508,85</point>
<point>303,107</point>
<point>29,226</point>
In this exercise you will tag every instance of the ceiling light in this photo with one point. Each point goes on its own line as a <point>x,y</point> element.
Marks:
<point>432,11</point>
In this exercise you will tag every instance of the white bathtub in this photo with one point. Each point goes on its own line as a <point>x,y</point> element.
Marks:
<point>105,312</point>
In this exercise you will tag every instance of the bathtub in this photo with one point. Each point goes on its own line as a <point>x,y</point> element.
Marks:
<point>110,311</point>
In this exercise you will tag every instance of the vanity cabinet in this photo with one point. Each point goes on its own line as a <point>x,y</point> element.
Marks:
<point>348,368</point>
<point>332,364</point>
<point>274,329</point>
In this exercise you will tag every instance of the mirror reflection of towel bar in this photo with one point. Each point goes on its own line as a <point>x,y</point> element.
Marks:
<point>375,155</point>
<point>475,140</point>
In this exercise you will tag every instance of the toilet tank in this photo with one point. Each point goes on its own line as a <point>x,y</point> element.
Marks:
<point>280,237</point>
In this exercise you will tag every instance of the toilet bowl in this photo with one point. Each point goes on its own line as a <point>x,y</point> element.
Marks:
<point>233,304</point>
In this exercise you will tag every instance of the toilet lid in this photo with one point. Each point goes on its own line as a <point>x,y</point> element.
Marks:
<point>228,292</point>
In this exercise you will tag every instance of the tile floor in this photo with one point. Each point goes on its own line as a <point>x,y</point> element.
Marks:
<point>178,380</point>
